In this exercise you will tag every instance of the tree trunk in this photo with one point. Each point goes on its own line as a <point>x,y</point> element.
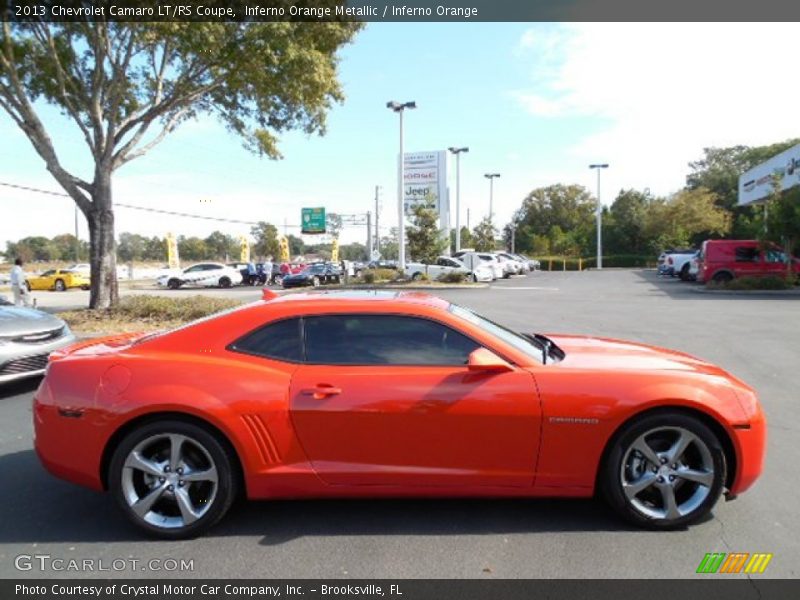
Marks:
<point>102,253</point>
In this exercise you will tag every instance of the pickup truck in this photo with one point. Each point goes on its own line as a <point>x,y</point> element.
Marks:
<point>443,264</point>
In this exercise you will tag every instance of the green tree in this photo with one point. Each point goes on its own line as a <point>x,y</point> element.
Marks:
<point>333,224</point>
<point>390,244</point>
<point>484,236</point>
<point>156,249</point>
<point>131,247</point>
<point>425,241</point>
<point>783,219</point>
<point>624,230</point>
<point>570,208</point>
<point>126,86</point>
<point>221,246</point>
<point>191,248</point>
<point>296,245</point>
<point>718,171</point>
<point>354,251</point>
<point>266,236</point>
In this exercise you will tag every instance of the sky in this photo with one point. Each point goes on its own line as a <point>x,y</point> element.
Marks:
<point>535,102</point>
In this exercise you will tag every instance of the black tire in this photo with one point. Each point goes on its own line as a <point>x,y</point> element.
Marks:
<point>85,288</point>
<point>474,278</point>
<point>651,427</point>
<point>416,276</point>
<point>224,463</point>
<point>722,277</point>
<point>225,282</point>
<point>60,286</point>
<point>684,274</point>
<point>174,284</point>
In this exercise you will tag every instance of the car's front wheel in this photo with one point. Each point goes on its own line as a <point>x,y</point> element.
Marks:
<point>225,282</point>
<point>664,471</point>
<point>174,284</point>
<point>60,285</point>
<point>173,479</point>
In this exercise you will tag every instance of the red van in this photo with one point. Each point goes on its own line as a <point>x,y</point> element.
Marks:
<point>723,260</point>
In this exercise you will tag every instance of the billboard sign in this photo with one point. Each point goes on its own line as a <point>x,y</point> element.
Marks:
<point>425,180</point>
<point>756,184</point>
<point>313,220</point>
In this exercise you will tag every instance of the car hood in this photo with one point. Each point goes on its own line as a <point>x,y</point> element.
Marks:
<point>592,353</point>
<point>22,321</point>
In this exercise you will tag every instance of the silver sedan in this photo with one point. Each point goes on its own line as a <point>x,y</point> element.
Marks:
<point>27,337</point>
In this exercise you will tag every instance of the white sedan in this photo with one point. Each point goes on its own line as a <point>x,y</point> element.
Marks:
<point>201,275</point>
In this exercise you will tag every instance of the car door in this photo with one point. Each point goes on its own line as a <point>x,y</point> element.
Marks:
<point>747,261</point>
<point>389,400</point>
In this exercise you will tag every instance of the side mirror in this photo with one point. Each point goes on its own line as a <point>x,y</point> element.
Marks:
<point>486,361</point>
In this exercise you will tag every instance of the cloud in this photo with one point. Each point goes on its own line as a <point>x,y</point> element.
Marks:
<point>657,94</point>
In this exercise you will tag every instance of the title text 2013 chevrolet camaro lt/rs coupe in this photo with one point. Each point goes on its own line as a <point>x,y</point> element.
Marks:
<point>376,394</point>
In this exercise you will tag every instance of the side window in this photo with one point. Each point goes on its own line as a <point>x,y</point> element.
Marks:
<point>746,254</point>
<point>774,256</point>
<point>281,341</point>
<point>194,269</point>
<point>383,340</point>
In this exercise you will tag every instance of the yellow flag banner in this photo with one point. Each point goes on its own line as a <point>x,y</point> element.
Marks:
<point>173,260</point>
<point>335,250</point>
<point>245,247</point>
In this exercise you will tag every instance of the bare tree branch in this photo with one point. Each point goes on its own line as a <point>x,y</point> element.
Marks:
<point>126,155</point>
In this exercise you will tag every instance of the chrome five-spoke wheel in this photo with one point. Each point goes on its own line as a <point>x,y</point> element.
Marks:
<point>665,471</point>
<point>172,478</point>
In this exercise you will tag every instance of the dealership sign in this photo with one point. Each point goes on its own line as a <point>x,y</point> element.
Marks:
<point>425,180</point>
<point>313,220</point>
<point>756,184</point>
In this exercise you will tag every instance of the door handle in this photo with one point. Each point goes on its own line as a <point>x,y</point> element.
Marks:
<point>322,391</point>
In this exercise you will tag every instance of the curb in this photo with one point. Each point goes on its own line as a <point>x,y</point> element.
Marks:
<point>789,293</point>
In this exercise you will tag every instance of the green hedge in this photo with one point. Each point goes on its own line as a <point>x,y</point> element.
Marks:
<point>573,263</point>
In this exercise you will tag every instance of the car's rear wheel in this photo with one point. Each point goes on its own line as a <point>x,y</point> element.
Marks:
<point>722,277</point>
<point>60,285</point>
<point>416,277</point>
<point>684,274</point>
<point>664,471</point>
<point>174,284</point>
<point>225,282</point>
<point>173,479</point>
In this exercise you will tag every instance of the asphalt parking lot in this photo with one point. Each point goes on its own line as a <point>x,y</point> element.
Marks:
<point>754,337</point>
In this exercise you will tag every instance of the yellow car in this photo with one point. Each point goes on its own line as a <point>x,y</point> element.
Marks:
<point>59,280</point>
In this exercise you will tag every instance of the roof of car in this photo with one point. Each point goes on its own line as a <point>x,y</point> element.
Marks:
<point>358,296</point>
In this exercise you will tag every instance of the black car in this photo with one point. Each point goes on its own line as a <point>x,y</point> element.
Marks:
<point>314,275</point>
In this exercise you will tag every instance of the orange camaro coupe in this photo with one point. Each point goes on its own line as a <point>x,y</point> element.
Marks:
<point>378,394</point>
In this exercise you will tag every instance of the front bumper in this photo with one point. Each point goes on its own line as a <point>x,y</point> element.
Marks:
<point>23,360</point>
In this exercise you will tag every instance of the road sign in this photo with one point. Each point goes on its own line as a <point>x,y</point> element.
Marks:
<point>313,220</point>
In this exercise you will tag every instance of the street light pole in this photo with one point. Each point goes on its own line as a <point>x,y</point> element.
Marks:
<point>599,167</point>
<point>491,178</point>
<point>399,108</point>
<point>457,152</point>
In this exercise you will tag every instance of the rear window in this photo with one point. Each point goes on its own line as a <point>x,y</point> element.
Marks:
<point>746,254</point>
<point>280,341</point>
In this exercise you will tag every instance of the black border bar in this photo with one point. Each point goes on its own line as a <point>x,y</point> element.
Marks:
<point>401,10</point>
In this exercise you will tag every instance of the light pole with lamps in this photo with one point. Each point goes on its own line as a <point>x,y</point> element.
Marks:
<point>491,177</point>
<point>599,167</point>
<point>399,108</point>
<point>457,152</point>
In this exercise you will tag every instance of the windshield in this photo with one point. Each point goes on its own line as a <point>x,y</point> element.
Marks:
<point>528,346</point>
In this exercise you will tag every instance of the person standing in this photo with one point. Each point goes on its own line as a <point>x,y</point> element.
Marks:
<point>268,270</point>
<point>22,296</point>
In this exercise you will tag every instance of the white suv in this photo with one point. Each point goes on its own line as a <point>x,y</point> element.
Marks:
<point>202,275</point>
